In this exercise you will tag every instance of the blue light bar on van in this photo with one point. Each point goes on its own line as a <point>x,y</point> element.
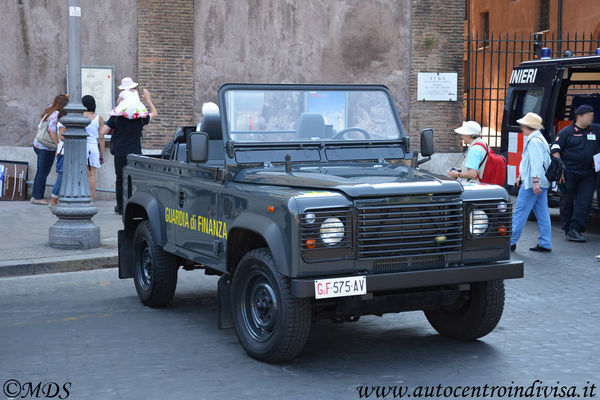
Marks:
<point>546,53</point>
<point>598,51</point>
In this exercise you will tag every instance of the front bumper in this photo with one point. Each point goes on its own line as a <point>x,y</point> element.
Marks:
<point>415,279</point>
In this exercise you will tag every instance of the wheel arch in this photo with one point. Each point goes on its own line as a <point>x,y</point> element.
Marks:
<point>144,206</point>
<point>251,231</point>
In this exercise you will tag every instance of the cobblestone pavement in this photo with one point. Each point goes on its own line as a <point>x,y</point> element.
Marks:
<point>89,328</point>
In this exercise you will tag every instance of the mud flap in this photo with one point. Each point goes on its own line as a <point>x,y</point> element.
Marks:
<point>125,255</point>
<point>224,302</point>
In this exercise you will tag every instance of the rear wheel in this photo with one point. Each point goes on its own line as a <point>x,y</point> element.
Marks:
<point>155,274</point>
<point>271,325</point>
<point>473,315</point>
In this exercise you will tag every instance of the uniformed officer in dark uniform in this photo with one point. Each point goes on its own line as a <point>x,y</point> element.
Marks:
<point>576,145</point>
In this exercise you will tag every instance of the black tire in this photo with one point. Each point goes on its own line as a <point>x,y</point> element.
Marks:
<point>475,313</point>
<point>155,272</point>
<point>271,325</point>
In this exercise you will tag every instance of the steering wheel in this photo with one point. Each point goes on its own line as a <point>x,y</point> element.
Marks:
<point>340,134</point>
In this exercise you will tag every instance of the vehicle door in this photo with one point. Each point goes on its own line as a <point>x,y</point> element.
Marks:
<point>202,230</point>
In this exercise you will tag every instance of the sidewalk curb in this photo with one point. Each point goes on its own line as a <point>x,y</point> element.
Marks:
<point>49,265</point>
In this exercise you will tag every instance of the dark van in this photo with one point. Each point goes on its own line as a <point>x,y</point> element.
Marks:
<point>553,89</point>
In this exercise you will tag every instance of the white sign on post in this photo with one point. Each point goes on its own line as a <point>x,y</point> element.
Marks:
<point>99,82</point>
<point>75,11</point>
<point>437,86</point>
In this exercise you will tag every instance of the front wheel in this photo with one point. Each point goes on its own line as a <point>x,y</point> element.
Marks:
<point>473,315</point>
<point>271,325</point>
<point>155,274</point>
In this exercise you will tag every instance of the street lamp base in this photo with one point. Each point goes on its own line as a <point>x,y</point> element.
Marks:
<point>73,230</point>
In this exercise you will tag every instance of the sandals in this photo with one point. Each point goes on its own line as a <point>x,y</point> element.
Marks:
<point>39,201</point>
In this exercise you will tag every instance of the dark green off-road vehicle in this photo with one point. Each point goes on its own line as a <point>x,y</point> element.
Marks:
<point>306,201</point>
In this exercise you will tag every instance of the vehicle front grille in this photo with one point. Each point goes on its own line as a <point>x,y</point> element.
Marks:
<point>409,227</point>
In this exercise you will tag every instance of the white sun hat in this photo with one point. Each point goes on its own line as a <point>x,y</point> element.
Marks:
<point>469,128</point>
<point>127,83</point>
<point>531,120</point>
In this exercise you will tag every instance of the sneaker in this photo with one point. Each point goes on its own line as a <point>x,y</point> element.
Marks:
<point>540,249</point>
<point>574,236</point>
<point>598,257</point>
<point>118,210</point>
<point>513,248</point>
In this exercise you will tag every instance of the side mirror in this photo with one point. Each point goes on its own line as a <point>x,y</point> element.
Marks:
<point>197,147</point>
<point>427,147</point>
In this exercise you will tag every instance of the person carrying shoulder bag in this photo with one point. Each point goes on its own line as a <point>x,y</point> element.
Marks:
<point>533,185</point>
<point>44,145</point>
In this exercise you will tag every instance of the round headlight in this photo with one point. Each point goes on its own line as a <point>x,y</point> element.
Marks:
<point>332,231</point>
<point>478,222</point>
<point>310,218</point>
<point>502,207</point>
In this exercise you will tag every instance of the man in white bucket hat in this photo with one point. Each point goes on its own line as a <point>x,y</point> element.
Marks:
<point>474,159</point>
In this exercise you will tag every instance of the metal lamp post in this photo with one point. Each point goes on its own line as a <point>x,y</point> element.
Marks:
<point>74,228</point>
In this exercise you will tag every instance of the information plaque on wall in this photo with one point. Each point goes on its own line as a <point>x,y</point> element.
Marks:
<point>100,83</point>
<point>437,86</point>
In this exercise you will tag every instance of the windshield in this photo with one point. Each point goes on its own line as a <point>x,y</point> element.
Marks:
<point>259,115</point>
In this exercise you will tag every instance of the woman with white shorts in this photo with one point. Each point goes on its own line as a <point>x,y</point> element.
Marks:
<point>95,142</point>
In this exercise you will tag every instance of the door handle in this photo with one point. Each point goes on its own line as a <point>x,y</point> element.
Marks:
<point>181,198</point>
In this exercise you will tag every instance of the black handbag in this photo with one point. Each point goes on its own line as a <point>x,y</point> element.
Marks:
<point>555,170</point>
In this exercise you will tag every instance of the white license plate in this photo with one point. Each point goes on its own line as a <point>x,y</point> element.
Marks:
<point>340,287</point>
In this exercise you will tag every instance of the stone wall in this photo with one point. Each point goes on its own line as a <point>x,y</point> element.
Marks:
<point>34,55</point>
<point>274,41</point>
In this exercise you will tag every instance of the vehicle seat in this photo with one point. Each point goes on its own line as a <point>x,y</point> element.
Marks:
<point>311,125</point>
<point>170,149</point>
<point>181,152</point>
<point>211,125</point>
<point>179,136</point>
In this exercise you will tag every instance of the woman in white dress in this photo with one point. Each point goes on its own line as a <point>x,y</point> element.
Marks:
<point>95,139</point>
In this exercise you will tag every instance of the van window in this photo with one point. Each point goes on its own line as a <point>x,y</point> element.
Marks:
<point>524,101</point>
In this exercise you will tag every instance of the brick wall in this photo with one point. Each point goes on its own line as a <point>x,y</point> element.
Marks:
<point>437,46</point>
<point>166,64</point>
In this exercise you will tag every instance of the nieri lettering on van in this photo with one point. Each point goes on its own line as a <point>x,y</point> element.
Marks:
<point>198,223</point>
<point>523,75</point>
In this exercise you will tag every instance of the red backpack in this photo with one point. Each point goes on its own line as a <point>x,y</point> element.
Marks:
<point>495,170</point>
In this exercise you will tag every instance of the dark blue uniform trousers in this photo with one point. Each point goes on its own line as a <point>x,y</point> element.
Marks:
<point>576,196</point>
